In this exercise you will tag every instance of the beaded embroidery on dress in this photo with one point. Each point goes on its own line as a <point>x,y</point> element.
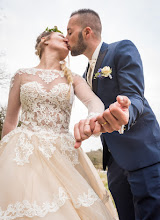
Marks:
<point>42,175</point>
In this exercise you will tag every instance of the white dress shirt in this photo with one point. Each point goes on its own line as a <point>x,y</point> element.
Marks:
<point>92,63</point>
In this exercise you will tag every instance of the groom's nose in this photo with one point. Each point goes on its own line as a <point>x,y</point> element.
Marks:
<point>66,36</point>
<point>66,41</point>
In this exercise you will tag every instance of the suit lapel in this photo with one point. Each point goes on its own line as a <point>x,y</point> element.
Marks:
<point>100,59</point>
<point>85,73</point>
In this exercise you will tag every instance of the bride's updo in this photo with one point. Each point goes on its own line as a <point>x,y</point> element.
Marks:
<point>39,47</point>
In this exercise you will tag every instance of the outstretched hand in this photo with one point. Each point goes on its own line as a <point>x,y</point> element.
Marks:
<point>115,116</point>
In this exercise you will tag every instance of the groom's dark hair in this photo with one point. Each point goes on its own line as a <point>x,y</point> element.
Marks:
<point>89,18</point>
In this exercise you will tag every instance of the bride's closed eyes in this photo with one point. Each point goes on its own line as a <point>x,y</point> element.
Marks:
<point>62,35</point>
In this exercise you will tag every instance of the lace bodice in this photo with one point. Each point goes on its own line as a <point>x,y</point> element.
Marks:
<point>45,98</point>
<point>42,109</point>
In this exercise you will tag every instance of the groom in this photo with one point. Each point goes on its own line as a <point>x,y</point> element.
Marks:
<point>133,158</point>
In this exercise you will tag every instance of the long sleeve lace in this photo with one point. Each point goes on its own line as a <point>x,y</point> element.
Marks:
<point>13,107</point>
<point>83,92</point>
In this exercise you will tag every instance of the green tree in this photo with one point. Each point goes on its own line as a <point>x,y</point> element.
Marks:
<point>96,158</point>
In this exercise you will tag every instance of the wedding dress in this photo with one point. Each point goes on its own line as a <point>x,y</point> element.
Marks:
<point>42,175</point>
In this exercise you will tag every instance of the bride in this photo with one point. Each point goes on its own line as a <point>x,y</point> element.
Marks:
<point>42,175</point>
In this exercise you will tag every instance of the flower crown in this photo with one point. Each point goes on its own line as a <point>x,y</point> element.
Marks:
<point>55,29</point>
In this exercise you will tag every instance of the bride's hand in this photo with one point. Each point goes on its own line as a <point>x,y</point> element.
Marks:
<point>82,131</point>
<point>95,126</point>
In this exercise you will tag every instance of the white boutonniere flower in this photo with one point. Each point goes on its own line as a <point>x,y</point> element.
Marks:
<point>104,72</point>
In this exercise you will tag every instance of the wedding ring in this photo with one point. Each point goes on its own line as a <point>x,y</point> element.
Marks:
<point>104,123</point>
<point>87,123</point>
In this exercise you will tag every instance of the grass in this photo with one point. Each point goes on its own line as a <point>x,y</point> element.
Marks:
<point>103,176</point>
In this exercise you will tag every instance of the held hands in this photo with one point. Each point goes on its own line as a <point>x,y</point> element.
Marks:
<point>84,129</point>
<point>110,120</point>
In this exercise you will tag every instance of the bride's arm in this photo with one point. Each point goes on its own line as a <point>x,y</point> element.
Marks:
<point>84,129</point>
<point>13,107</point>
<point>84,93</point>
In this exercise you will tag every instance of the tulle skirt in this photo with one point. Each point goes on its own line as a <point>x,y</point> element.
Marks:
<point>42,176</point>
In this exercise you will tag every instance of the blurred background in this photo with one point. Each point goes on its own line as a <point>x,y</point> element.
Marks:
<point>21,21</point>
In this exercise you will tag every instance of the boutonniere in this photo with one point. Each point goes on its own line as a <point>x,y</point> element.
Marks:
<point>104,72</point>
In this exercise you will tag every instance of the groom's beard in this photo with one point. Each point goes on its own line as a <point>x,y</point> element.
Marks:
<point>80,47</point>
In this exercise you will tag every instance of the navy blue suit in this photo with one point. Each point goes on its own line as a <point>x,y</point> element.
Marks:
<point>138,149</point>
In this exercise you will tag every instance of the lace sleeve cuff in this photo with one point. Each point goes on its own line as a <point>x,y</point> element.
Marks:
<point>92,114</point>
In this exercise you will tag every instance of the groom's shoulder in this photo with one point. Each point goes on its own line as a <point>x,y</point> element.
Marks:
<point>120,43</point>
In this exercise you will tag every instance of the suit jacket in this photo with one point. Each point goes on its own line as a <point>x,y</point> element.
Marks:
<point>139,146</point>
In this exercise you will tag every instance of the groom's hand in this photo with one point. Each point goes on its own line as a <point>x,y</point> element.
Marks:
<point>115,116</point>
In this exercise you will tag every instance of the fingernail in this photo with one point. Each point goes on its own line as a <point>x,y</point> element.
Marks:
<point>121,99</point>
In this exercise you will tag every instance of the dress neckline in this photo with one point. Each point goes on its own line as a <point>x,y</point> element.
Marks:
<point>47,70</point>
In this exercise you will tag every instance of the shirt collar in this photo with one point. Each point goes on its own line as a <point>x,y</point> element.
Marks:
<point>96,52</point>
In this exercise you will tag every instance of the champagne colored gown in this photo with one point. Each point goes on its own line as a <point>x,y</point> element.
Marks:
<point>42,175</point>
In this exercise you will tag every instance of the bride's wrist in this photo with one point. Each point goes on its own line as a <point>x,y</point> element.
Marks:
<point>92,115</point>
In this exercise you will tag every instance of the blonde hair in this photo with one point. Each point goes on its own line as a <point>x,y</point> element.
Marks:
<point>68,74</point>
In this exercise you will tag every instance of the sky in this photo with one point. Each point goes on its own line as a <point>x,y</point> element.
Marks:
<point>21,21</point>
